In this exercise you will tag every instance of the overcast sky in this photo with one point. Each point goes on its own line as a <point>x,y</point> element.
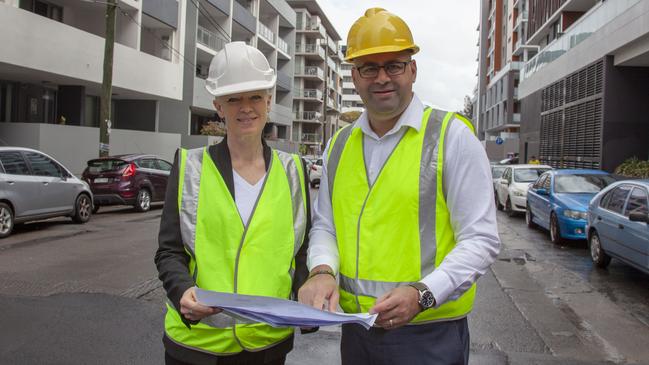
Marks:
<point>444,30</point>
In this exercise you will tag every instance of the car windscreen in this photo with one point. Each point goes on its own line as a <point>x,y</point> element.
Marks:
<point>581,183</point>
<point>105,165</point>
<point>497,172</point>
<point>528,175</point>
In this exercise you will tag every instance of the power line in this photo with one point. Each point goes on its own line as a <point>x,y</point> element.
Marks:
<point>211,20</point>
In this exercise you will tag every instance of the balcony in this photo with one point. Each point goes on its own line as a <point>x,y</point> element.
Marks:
<point>522,18</point>
<point>209,39</point>
<point>313,29</point>
<point>311,138</point>
<point>516,117</point>
<point>310,49</point>
<point>283,46</point>
<point>313,72</point>
<point>308,117</point>
<point>243,17</point>
<point>265,33</point>
<point>284,81</point>
<point>308,94</point>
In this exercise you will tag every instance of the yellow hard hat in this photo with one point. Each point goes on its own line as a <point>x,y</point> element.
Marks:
<point>378,31</point>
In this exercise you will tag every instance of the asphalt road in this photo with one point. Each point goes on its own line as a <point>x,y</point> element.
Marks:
<point>88,294</point>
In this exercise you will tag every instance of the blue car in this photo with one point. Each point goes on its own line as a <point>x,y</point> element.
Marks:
<point>558,201</point>
<point>618,224</point>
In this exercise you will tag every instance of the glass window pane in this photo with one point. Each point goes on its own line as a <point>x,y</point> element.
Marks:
<point>164,165</point>
<point>637,202</point>
<point>42,166</point>
<point>618,197</point>
<point>14,163</point>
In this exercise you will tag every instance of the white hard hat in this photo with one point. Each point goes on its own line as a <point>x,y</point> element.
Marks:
<point>239,68</point>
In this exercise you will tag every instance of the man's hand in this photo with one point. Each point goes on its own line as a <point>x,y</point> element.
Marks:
<point>318,289</point>
<point>397,307</point>
<point>190,308</point>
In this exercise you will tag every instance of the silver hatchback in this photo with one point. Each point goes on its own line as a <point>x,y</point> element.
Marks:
<point>35,186</point>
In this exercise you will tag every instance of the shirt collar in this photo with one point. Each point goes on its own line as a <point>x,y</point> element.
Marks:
<point>411,117</point>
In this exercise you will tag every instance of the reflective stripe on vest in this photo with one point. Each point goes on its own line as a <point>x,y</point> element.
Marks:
<point>229,255</point>
<point>380,246</point>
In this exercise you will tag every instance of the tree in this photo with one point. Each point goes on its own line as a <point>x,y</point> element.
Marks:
<point>350,116</point>
<point>468,107</point>
<point>213,128</point>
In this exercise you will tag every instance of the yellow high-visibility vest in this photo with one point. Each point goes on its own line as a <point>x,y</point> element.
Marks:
<point>397,230</point>
<point>229,256</point>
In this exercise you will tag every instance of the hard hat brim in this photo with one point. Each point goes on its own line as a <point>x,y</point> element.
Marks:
<point>242,87</point>
<point>382,49</point>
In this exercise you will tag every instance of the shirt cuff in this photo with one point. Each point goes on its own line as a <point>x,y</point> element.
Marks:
<point>323,250</point>
<point>440,285</point>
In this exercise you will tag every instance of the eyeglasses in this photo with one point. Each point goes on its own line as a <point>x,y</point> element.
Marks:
<point>391,68</point>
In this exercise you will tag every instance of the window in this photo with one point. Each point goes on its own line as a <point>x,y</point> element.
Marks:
<point>539,183</point>
<point>546,183</point>
<point>617,199</point>
<point>527,175</point>
<point>581,183</point>
<point>43,166</point>
<point>13,163</point>
<point>164,165</point>
<point>637,202</point>
<point>605,199</point>
<point>43,8</point>
<point>147,163</point>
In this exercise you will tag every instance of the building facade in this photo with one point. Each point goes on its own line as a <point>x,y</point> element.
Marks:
<point>351,100</point>
<point>52,65</point>
<point>584,95</point>
<point>317,86</point>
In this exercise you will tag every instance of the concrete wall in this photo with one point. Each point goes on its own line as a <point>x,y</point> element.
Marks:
<point>135,114</point>
<point>43,45</point>
<point>73,145</point>
<point>530,131</point>
<point>626,107</point>
<point>497,152</point>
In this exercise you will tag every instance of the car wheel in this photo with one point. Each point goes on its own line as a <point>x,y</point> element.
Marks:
<point>600,258</point>
<point>555,231</point>
<point>6,220</point>
<point>143,201</point>
<point>508,208</point>
<point>498,205</point>
<point>529,217</point>
<point>95,208</point>
<point>82,209</point>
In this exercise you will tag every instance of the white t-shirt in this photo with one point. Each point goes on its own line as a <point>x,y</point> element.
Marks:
<point>245,195</point>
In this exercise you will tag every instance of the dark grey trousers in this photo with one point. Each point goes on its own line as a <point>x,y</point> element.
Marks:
<point>442,343</point>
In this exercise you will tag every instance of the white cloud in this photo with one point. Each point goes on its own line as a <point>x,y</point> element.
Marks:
<point>444,30</point>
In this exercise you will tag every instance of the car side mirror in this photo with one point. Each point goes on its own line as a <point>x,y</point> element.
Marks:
<point>541,191</point>
<point>639,217</point>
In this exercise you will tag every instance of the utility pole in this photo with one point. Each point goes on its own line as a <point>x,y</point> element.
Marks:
<point>107,82</point>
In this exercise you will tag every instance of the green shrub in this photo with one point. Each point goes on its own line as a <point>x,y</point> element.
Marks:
<point>633,167</point>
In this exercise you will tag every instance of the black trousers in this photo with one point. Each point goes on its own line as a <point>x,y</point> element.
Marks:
<point>244,358</point>
<point>441,343</point>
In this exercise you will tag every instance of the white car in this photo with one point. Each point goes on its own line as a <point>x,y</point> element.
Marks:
<point>511,189</point>
<point>315,173</point>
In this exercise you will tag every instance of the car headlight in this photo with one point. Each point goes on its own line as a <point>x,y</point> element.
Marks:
<point>517,192</point>
<point>575,214</point>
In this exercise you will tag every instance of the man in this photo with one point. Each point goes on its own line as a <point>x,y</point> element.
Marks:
<point>404,214</point>
<point>534,161</point>
<point>234,221</point>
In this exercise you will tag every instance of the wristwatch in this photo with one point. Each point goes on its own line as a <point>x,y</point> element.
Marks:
<point>426,298</point>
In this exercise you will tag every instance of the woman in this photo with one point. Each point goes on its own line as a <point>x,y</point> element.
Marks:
<point>234,220</point>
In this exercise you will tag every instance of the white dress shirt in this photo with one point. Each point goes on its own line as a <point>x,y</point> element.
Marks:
<point>468,189</point>
<point>245,195</point>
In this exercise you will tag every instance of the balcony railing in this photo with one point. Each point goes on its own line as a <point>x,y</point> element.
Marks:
<point>310,71</point>
<point>310,48</point>
<point>582,29</point>
<point>309,116</point>
<point>283,46</point>
<point>308,94</point>
<point>311,137</point>
<point>209,39</point>
<point>265,32</point>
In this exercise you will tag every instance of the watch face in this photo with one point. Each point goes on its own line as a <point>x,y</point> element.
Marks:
<point>427,299</point>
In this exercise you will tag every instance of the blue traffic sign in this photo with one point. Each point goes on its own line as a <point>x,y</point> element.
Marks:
<point>499,140</point>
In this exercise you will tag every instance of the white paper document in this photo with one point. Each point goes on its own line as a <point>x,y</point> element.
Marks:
<point>279,312</point>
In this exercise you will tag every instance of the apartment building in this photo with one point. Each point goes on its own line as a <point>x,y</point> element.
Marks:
<point>51,72</point>
<point>501,51</point>
<point>583,94</point>
<point>317,85</point>
<point>351,100</point>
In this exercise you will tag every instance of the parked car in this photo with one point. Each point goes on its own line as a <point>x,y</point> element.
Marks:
<point>511,188</point>
<point>558,201</point>
<point>618,224</point>
<point>35,186</point>
<point>496,174</point>
<point>315,173</point>
<point>135,179</point>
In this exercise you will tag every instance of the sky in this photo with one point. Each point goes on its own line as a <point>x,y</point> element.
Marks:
<point>444,30</point>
